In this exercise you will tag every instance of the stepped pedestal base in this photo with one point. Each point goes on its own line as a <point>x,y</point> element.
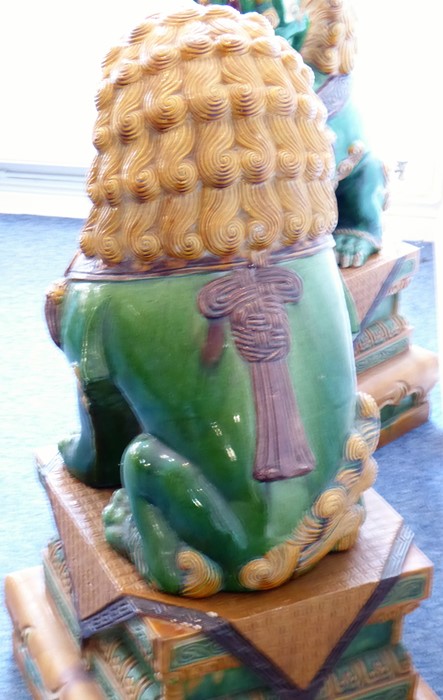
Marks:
<point>400,387</point>
<point>397,374</point>
<point>51,661</point>
<point>335,633</point>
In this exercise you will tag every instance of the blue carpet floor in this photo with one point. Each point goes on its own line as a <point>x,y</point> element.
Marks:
<point>38,407</point>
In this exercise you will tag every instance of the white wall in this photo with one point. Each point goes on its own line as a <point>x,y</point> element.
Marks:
<point>397,82</point>
<point>50,53</point>
<point>51,50</point>
<point>50,56</point>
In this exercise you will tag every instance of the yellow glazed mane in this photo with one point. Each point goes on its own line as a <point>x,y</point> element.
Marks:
<point>330,44</point>
<point>210,142</point>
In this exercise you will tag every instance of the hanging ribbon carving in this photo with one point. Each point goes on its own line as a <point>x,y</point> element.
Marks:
<point>254,301</point>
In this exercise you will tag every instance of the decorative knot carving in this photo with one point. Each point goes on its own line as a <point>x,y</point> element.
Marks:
<point>254,300</point>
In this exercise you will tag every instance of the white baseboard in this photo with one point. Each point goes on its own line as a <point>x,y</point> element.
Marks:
<point>43,190</point>
<point>52,190</point>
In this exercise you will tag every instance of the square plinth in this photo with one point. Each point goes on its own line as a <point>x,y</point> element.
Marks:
<point>131,664</point>
<point>335,632</point>
<point>396,373</point>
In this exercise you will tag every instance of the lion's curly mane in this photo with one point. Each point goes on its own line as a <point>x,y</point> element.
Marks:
<point>210,142</point>
<point>330,44</point>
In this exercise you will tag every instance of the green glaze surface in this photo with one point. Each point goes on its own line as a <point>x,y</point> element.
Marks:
<point>136,347</point>
<point>382,672</point>
<point>412,588</point>
<point>383,355</point>
<point>361,195</point>
<point>185,653</point>
<point>389,414</point>
<point>370,638</point>
<point>384,309</point>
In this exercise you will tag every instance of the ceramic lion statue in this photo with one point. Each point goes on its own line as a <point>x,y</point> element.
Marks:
<point>204,314</point>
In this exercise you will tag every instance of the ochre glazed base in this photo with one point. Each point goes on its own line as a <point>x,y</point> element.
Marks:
<point>397,374</point>
<point>297,627</point>
<point>400,386</point>
<point>48,657</point>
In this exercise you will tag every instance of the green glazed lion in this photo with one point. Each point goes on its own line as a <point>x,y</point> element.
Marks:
<point>204,314</point>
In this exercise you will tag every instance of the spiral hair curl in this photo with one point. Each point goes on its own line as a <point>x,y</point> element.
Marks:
<point>210,142</point>
<point>330,44</point>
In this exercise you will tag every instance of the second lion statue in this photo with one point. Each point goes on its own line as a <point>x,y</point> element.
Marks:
<point>324,31</point>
